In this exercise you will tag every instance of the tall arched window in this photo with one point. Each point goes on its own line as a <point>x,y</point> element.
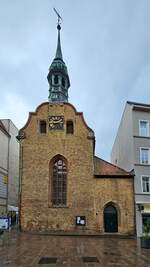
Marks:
<point>59,179</point>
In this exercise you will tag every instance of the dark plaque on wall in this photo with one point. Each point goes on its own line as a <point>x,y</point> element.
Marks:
<point>80,220</point>
<point>56,122</point>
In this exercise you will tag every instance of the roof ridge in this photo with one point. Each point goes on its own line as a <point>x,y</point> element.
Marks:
<point>138,104</point>
<point>113,165</point>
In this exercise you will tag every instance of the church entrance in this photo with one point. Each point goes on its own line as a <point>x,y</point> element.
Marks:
<point>110,219</point>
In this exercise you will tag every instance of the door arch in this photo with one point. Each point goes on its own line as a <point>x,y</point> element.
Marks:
<point>110,219</point>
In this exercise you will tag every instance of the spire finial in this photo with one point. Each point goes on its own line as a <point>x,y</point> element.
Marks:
<point>58,51</point>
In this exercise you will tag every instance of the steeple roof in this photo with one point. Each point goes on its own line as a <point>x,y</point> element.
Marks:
<point>58,51</point>
<point>58,78</point>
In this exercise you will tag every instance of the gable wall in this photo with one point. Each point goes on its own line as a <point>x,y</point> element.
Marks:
<point>37,211</point>
<point>86,195</point>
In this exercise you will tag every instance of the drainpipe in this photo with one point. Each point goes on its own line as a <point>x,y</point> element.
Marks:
<point>20,178</point>
<point>20,166</point>
<point>8,172</point>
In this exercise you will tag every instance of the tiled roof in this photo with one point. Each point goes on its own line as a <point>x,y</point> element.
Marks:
<point>3,129</point>
<point>104,168</point>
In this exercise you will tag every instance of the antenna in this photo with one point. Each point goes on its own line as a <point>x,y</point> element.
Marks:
<point>59,17</point>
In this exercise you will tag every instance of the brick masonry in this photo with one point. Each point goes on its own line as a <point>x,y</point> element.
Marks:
<point>86,195</point>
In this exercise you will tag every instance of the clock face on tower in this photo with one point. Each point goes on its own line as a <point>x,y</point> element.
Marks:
<point>56,122</point>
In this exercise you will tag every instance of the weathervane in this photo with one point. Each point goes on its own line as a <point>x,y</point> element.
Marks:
<point>59,19</point>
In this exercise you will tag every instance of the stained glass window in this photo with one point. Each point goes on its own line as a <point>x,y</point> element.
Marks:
<point>59,177</point>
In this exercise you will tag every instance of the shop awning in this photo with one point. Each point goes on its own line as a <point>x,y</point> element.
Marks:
<point>142,202</point>
<point>12,208</point>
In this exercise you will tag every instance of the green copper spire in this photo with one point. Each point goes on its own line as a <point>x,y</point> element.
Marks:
<point>58,78</point>
<point>58,51</point>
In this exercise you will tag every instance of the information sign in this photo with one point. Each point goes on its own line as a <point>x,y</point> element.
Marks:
<point>4,223</point>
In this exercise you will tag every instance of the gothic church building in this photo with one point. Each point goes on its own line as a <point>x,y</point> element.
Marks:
<point>63,185</point>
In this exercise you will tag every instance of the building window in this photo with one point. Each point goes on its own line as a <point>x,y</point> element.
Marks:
<point>3,185</point>
<point>42,126</point>
<point>146,184</point>
<point>145,218</point>
<point>145,155</point>
<point>144,128</point>
<point>69,127</point>
<point>59,179</point>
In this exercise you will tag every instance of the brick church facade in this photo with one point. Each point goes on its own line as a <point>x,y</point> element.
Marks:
<point>63,185</point>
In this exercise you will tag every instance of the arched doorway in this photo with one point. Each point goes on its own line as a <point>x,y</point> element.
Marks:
<point>110,219</point>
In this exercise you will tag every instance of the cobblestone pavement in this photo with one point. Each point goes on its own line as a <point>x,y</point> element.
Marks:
<point>25,249</point>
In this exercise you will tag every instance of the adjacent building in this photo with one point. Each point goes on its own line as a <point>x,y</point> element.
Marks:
<point>63,185</point>
<point>131,150</point>
<point>9,167</point>
<point>4,162</point>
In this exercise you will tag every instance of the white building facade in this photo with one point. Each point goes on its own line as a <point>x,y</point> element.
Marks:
<point>131,150</point>
<point>4,161</point>
<point>9,166</point>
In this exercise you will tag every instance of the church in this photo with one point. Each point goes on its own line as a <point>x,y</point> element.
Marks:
<point>63,185</point>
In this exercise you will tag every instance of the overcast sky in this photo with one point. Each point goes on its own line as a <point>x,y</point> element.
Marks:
<point>105,45</point>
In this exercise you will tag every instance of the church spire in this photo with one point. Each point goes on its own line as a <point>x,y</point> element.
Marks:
<point>58,51</point>
<point>58,78</point>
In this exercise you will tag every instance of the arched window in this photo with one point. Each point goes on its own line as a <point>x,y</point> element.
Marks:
<point>56,79</point>
<point>63,82</point>
<point>42,126</point>
<point>59,179</point>
<point>69,127</point>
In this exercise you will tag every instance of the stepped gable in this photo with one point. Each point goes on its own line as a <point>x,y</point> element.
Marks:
<point>104,168</point>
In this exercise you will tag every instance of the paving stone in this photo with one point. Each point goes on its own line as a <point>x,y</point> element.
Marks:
<point>26,250</point>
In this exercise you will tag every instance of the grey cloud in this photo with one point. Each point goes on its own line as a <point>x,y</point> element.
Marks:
<point>106,46</point>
